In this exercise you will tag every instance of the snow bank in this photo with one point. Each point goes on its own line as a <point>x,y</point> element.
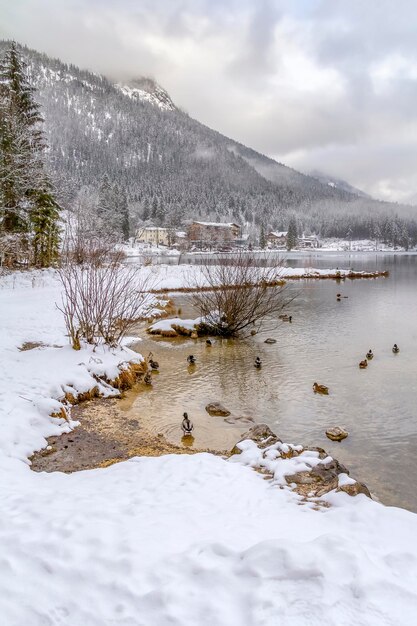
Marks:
<point>175,540</point>
<point>33,380</point>
<point>177,277</point>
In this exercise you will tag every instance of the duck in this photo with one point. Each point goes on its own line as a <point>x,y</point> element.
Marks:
<point>363,364</point>
<point>369,355</point>
<point>191,359</point>
<point>395,349</point>
<point>147,379</point>
<point>283,317</point>
<point>208,343</point>
<point>154,365</point>
<point>186,425</point>
<point>320,389</point>
<point>258,363</point>
<point>290,319</point>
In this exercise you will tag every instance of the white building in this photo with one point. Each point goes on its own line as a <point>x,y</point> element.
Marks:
<point>154,235</point>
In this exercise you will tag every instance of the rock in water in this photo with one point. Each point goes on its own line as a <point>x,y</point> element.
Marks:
<point>215,408</point>
<point>244,419</point>
<point>261,434</point>
<point>336,433</point>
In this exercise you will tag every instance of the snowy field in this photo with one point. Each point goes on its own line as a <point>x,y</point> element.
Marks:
<point>175,540</point>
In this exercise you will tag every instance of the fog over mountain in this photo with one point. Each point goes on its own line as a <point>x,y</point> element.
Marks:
<point>171,168</point>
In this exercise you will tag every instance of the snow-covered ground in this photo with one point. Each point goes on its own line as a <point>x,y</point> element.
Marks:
<point>175,540</point>
<point>357,245</point>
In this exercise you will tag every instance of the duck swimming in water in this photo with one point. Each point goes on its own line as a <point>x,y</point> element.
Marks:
<point>187,425</point>
<point>191,359</point>
<point>154,365</point>
<point>369,355</point>
<point>208,343</point>
<point>363,364</point>
<point>258,363</point>
<point>147,379</point>
<point>320,389</point>
<point>395,349</point>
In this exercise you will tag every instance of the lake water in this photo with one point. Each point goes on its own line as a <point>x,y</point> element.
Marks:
<point>325,343</point>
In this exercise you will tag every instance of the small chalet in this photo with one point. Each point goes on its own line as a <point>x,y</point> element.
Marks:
<point>277,239</point>
<point>309,242</point>
<point>212,234</point>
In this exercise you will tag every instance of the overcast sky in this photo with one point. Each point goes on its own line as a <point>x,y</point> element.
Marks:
<point>329,85</point>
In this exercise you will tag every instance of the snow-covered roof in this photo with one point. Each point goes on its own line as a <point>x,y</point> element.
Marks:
<point>281,233</point>
<point>151,228</point>
<point>218,224</point>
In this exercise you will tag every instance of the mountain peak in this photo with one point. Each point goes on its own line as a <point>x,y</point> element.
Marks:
<point>147,90</point>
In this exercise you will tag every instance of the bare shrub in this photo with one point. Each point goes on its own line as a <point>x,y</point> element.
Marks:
<point>102,301</point>
<point>83,239</point>
<point>237,293</point>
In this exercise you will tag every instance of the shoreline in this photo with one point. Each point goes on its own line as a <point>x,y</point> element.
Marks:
<point>98,442</point>
<point>281,282</point>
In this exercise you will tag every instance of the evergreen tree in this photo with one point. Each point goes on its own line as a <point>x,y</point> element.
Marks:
<point>146,210</point>
<point>292,235</point>
<point>27,203</point>
<point>124,215</point>
<point>262,237</point>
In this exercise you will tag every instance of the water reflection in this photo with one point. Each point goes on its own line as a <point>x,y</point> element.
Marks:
<point>324,343</point>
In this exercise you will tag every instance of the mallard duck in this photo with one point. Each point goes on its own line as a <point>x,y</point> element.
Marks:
<point>395,348</point>
<point>154,365</point>
<point>320,389</point>
<point>369,355</point>
<point>187,425</point>
<point>363,364</point>
<point>208,343</point>
<point>191,359</point>
<point>258,363</point>
<point>147,379</point>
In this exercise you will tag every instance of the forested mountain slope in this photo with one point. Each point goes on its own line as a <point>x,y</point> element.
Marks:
<point>171,168</point>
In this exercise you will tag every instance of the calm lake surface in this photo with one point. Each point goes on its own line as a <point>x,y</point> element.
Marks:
<point>324,343</point>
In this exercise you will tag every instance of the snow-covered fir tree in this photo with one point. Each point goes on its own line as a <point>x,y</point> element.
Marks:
<point>29,212</point>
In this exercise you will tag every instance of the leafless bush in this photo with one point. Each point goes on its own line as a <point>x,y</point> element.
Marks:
<point>101,302</point>
<point>82,243</point>
<point>237,293</point>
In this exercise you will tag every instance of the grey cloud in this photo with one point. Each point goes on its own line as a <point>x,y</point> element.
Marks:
<point>231,65</point>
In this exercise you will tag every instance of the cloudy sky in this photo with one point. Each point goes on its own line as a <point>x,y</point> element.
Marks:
<point>329,85</point>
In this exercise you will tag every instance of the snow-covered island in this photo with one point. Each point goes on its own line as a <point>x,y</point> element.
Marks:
<point>175,539</point>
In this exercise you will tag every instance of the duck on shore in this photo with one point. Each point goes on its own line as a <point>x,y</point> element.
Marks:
<point>395,349</point>
<point>369,355</point>
<point>187,425</point>
<point>363,364</point>
<point>191,359</point>
<point>258,363</point>
<point>320,389</point>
